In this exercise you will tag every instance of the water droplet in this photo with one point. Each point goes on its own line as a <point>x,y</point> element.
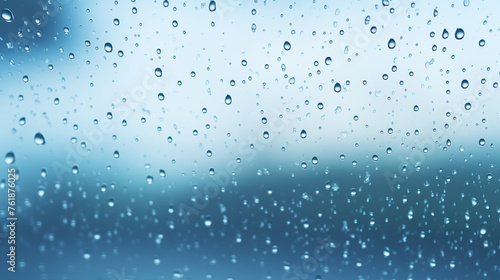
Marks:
<point>328,60</point>
<point>265,135</point>
<point>353,192</point>
<point>314,160</point>
<point>211,6</point>
<point>228,100</point>
<point>86,256</point>
<point>482,43</point>
<point>26,78</point>
<point>391,44</point>
<point>303,134</point>
<point>435,13</point>
<point>208,222</point>
<point>373,29</point>
<point>287,46</point>
<point>108,47</point>
<point>149,179</point>
<point>161,96</point>
<point>116,154</point>
<point>459,34</point>
<point>375,158</point>
<point>111,202</point>
<point>337,87</point>
<point>116,21</point>
<point>465,84</point>
<point>7,15</point>
<point>39,139</point>
<point>10,158</point>
<point>415,108</point>
<point>22,121</point>
<point>445,34</point>
<point>75,170</point>
<point>41,191</point>
<point>158,72</point>
<point>466,3</point>
<point>467,106</point>
<point>165,3</point>
<point>482,142</point>
<point>389,150</point>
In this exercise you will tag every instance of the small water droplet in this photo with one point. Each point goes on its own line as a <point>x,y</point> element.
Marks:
<point>467,106</point>
<point>116,154</point>
<point>482,43</point>
<point>328,60</point>
<point>445,34</point>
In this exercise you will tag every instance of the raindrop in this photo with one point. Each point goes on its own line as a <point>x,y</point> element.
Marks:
<point>39,139</point>
<point>373,29</point>
<point>161,96</point>
<point>459,34</point>
<point>465,84</point>
<point>482,142</point>
<point>314,160</point>
<point>211,6</point>
<point>10,158</point>
<point>208,222</point>
<point>116,154</point>
<point>228,100</point>
<point>328,60</point>
<point>337,87</point>
<point>375,158</point>
<point>7,15</point>
<point>41,191</point>
<point>287,46</point>
<point>445,34</point>
<point>391,44</point>
<point>467,106</point>
<point>22,121</point>
<point>482,43</point>
<point>158,72</point>
<point>108,47</point>
<point>116,21</point>
<point>111,202</point>
<point>303,134</point>
<point>165,3</point>
<point>415,108</point>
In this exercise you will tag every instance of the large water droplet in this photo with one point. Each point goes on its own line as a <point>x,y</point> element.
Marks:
<point>303,134</point>
<point>41,191</point>
<point>465,84</point>
<point>459,34</point>
<point>228,100</point>
<point>7,15</point>
<point>337,87</point>
<point>482,142</point>
<point>287,46</point>
<point>39,139</point>
<point>391,44</point>
<point>328,60</point>
<point>467,106</point>
<point>116,154</point>
<point>108,47</point>
<point>158,72</point>
<point>211,6</point>
<point>10,158</point>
